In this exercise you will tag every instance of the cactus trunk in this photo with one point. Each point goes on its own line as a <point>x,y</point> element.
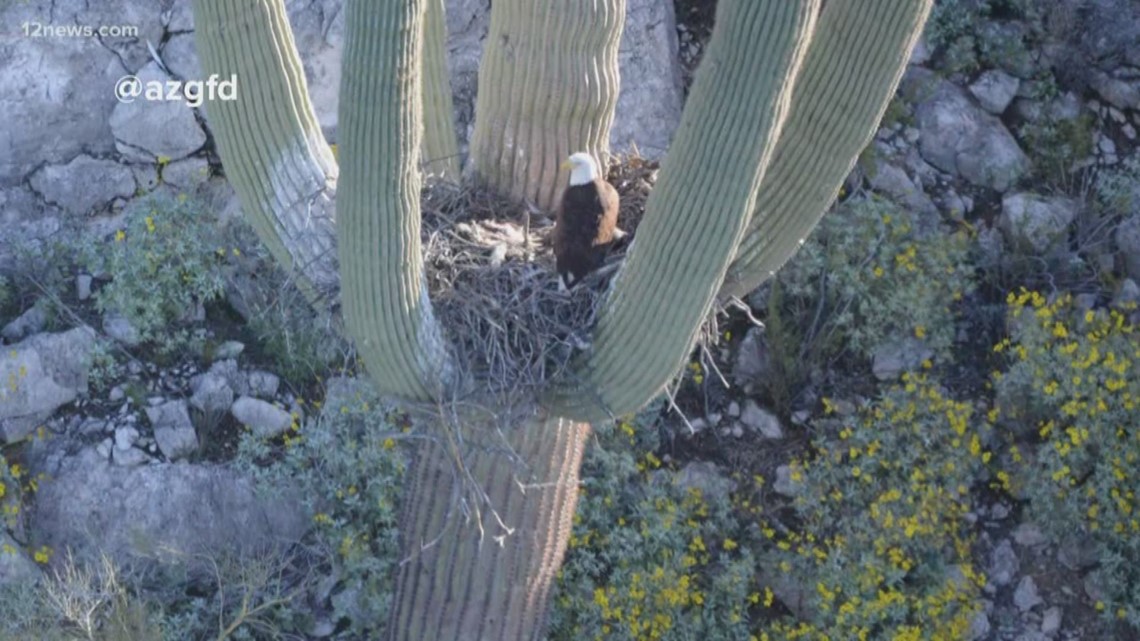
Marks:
<point>836,107</point>
<point>384,290</point>
<point>548,88</point>
<point>469,578</point>
<point>440,146</point>
<point>697,213</point>
<point>274,153</point>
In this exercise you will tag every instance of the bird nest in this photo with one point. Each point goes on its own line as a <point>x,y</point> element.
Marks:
<point>490,272</point>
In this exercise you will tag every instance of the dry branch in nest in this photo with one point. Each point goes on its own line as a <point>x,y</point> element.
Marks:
<point>491,277</point>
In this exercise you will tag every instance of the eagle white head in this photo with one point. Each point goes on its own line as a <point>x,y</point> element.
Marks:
<point>582,168</point>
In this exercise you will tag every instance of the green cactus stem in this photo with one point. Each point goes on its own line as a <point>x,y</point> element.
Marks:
<point>440,145</point>
<point>548,88</point>
<point>699,209</point>
<point>272,148</point>
<point>836,107</point>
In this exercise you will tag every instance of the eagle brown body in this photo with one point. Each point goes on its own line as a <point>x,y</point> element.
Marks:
<point>586,221</point>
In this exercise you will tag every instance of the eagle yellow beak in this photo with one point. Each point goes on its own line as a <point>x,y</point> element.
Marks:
<point>566,164</point>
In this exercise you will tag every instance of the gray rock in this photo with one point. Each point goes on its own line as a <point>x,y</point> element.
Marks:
<point>1051,621</point>
<point>173,431</point>
<point>785,484</point>
<point>979,626</point>
<point>125,437</point>
<point>891,359</point>
<point>181,57</point>
<point>1029,535</point>
<point>1030,635</point>
<point>187,174</point>
<point>129,457</point>
<point>160,512</point>
<point>46,371</point>
<point>1035,223</point>
<point>1003,564</point>
<point>1025,597</point>
<point>893,181</point>
<point>263,384</point>
<point>994,90</point>
<point>83,286</point>
<point>24,325</point>
<point>16,569</point>
<point>119,328</point>
<point>704,476</point>
<point>752,357</point>
<point>266,420</point>
<point>650,101</point>
<point>146,130</point>
<point>228,370</point>
<point>734,409</point>
<point>1124,94</point>
<point>228,350</point>
<point>55,93</point>
<point>84,185</point>
<point>211,393</point>
<point>103,450</point>
<point>761,420</point>
<point>1127,238</point>
<point>961,139</point>
<point>116,394</point>
<point>1127,295</point>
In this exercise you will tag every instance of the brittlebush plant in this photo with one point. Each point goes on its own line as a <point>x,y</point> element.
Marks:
<point>1073,385</point>
<point>878,539</point>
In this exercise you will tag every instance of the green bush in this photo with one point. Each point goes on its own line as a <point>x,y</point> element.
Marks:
<point>1073,384</point>
<point>347,466</point>
<point>865,277</point>
<point>647,558</point>
<point>162,264</point>
<point>957,31</point>
<point>878,544</point>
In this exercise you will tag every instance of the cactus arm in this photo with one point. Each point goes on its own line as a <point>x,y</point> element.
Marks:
<point>836,107</point>
<point>270,143</point>
<point>468,586</point>
<point>553,70</point>
<point>384,291</point>
<point>440,145</point>
<point>697,213</point>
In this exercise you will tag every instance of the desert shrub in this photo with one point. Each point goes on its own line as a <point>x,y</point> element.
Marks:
<point>1073,385</point>
<point>1058,146</point>
<point>5,297</point>
<point>877,540</point>
<point>164,263</point>
<point>648,559</point>
<point>957,31</point>
<point>1118,189</point>
<point>865,277</point>
<point>347,465</point>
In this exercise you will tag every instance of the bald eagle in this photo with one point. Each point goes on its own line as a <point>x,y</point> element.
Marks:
<point>586,221</point>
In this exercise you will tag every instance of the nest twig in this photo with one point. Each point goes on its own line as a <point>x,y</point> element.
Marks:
<point>490,273</point>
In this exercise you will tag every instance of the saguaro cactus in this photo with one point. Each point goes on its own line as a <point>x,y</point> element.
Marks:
<point>548,87</point>
<point>784,81</point>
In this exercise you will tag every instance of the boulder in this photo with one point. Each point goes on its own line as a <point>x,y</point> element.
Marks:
<point>963,140</point>
<point>1035,223</point>
<point>39,375</point>
<point>146,130</point>
<point>173,431</point>
<point>211,392</point>
<point>16,569</point>
<point>994,90</point>
<point>164,511</point>
<point>84,185</point>
<point>265,419</point>
<point>24,325</point>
